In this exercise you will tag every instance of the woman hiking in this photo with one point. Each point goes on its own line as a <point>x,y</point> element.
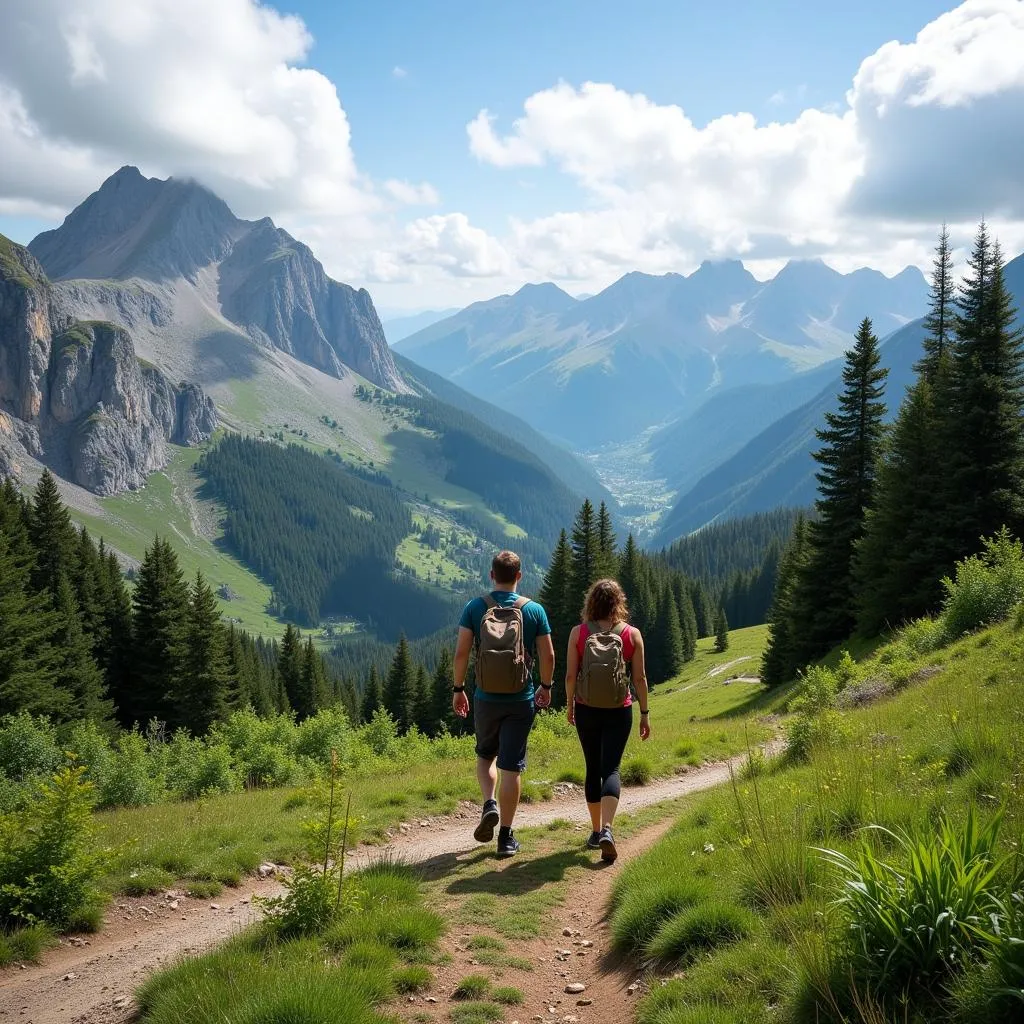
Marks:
<point>601,650</point>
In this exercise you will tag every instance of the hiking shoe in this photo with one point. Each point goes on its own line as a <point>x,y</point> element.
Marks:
<point>594,842</point>
<point>484,832</point>
<point>607,844</point>
<point>508,845</point>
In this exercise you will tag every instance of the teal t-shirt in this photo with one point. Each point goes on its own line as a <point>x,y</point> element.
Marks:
<point>535,624</point>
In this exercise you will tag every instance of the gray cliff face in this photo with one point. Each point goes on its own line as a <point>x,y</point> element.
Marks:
<point>74,395</point>
<point>270,285</point>
<point>274,286</point>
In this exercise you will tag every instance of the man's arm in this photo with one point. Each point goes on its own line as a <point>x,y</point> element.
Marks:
<point>460,669</point>
<point>546,662</point>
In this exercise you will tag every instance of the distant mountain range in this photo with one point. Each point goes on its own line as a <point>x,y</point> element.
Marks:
<point>650,350</point>
<point>397,328</point>
<point>775,467</point>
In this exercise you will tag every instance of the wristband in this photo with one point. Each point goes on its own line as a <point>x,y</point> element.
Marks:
<point>546,686</point>
<point>459,689</point>
<point>642,713</point>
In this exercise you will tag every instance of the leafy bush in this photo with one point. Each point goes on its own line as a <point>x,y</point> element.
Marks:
<point>48,860</point>
<point>28,748</point>
<point>129,779</point>
<point>815,721</point>
<point>985,587</point>
<point>919,922</point>
<point>923,636</point>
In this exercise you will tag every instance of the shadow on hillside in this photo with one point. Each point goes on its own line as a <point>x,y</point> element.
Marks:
<point>521,876</point>
<point>767,700</point>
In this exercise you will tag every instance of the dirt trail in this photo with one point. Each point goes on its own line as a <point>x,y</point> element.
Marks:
<point>90,979</point>
<point>576,951</point>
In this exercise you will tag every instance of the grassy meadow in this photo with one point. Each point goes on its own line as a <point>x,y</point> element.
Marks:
<point>858,881</point>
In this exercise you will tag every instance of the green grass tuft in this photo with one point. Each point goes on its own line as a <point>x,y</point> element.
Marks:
<point>702,927</point>
<point>477,1013</point>
<point>637,771</point>
<point>473,986</point>
<point>415,978</point>
<point>25,945</point>
<point>508,995</point>
<point>147,881</point>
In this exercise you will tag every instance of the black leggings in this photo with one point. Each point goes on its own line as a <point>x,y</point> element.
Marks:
<point>603,734</point>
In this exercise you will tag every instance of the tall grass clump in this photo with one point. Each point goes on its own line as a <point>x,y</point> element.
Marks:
<point>916,922</point>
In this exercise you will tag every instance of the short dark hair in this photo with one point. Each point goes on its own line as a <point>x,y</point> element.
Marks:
<point>506,567</point>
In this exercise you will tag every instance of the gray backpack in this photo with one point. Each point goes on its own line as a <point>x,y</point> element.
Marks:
<point>502,663</point>
<point>602,681</point>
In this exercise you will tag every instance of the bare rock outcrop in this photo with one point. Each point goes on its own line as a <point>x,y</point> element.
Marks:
<point>74,395</point>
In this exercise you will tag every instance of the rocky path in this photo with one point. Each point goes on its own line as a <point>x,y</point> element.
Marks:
<point>90,979</point>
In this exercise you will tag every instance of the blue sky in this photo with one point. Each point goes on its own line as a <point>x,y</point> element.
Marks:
<point>440,152</point>
<point>709,58</point>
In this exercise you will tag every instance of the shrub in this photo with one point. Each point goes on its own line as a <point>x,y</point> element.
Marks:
<point>28,748</point>
<point>48,860</point>
<point>917,923</point>
<point>923,636</point>
<point>473,986</point>
<point>637,771</point>
<point>815,721</point>
<point>307,906</point>
<point>997,992</point>
<point>129,780</point>
<point>985,587</point>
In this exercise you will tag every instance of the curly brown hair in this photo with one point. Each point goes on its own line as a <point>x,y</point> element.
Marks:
<point>605,600</point>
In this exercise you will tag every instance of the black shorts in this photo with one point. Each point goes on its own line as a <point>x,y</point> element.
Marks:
<point>502,730</point>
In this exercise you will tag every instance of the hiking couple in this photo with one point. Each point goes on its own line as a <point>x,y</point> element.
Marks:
<point>509,633</point>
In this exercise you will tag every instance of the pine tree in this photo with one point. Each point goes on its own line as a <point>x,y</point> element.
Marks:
<point>400,687</point>
<point>940,321</point>
<point>90,582</point>
<point>585,556</point>
<point>779,662</point>
<point>634,577</point>
<point>373,696</point>
<point>906,550</point>
<point>202,685</point>
<point>28,661</point>
<point>289,670</point>
<point>76,672</point>
<point>554,596</point>
<point>665,644</point>
<point>424,717</point>
<point>161,610</point>
<point>848,459</point>
<point>987,482</point>
<point>607,559</point>
<point>240,681</point>
<point>116,653</point>
<point>687,616</point>
<point>721,632</point>
<point>441,716</point>
<point>52,534</point>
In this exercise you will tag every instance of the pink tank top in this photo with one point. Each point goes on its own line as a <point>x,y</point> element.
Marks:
<point>628,647</point>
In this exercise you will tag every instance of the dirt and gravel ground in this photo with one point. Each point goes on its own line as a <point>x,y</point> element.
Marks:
<point>90,979</point>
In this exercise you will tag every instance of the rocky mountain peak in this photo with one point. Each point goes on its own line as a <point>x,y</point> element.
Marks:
<point>270,286</point>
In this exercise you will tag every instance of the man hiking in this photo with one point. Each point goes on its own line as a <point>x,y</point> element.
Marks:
<point>509,633</point>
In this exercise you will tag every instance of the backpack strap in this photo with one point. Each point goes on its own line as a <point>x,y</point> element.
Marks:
<point>521,602</point>
<point>620,628</point>
<point>490,602</point>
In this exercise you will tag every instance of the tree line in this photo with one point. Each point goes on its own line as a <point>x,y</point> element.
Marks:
<point>322,536</point>
<point>899,506</point>
<point>76,643</point>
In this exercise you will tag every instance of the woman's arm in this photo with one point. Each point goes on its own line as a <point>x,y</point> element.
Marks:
<point>640,683</point>
<point>572,668</point>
